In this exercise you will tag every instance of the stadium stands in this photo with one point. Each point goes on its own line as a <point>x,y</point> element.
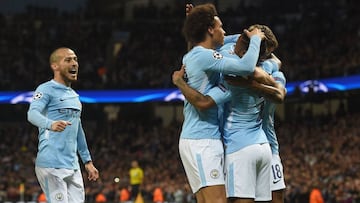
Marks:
<point>318,39</point>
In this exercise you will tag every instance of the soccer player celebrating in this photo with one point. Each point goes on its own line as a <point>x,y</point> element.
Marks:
<point>56,110</point>
<point>200,146</point>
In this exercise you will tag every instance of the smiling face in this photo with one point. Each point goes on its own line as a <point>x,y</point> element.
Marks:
<point>65,65</point>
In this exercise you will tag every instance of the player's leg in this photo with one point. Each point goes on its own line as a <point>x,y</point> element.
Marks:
<point>76,192</point>
<point>241,174</point>
<point>213,194</point>
<point>277,180</point>
<point>203,163</point>
<point>199,197</point>
<point>278,196</point>
<point>52,184</point>
<point>241,200</point>
<point>263,191</point>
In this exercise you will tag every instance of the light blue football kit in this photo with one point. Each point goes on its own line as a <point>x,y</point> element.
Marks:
<point>243,113</point>
<point>247,152</point>
<point>200,144</point>
<point>57,156</point>
<point>202,69</point>
<point>53,101</point>
<point>277,173</point>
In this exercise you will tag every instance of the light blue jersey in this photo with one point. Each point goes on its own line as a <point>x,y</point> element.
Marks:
<point>203,68</point>
<point>53,101</point>
<point>231,38</point>
<point>243,117</point>
<point>268,116</point>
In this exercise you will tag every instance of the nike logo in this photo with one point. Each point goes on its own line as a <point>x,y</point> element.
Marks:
<point>276,181</point>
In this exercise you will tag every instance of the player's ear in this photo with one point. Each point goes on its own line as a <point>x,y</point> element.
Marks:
<point>211,30</point>
<point>54,66</point>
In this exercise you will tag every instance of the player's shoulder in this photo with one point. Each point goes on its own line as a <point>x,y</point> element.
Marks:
<point>199,51</point>
<point>45,86</point>
<point>228,46</point>
<point>202,56</point>
<point>49,87</point>
<point>227,50</point>
<point>279,77</point>
<point>269,66</point>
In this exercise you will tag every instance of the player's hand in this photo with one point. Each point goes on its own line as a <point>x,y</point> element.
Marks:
<point>178,76</point>
<point>254,32</point>
<point>188,8</point>
<point>277,60</point>
<point>59,126</point>
<point>93,173</point>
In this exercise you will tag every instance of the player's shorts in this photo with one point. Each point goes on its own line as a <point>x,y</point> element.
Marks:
<point>61,185</point>
<point>203,161</point>
<point>247,173</point>
<point>277,174</point>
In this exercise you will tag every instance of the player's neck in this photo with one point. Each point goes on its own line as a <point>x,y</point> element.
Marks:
<point>61,81</point>
<point>206,44</point>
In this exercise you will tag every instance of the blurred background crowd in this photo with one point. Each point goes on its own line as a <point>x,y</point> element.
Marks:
<point>317,40</point>
<point>140,48</point>
<point>317,152</point>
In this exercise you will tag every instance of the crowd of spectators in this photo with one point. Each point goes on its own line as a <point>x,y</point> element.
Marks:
<point>317,39</point>
<point>320,151</point>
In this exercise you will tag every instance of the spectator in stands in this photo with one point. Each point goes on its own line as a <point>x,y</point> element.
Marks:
<point>136,175</point>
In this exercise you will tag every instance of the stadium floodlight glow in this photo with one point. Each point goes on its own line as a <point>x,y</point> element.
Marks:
<point>173,94</point>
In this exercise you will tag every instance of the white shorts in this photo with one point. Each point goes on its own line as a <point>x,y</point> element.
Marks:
<point>61,185</point>
<point>277,174</point>
<point>203,161</point>
<point>247,173</point>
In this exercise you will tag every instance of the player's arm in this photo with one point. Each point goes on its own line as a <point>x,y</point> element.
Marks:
<point>273,90</point>
<point>275,59</point>
<point>82,148</point>
<point>263,77</point>
<point>243,66</point>
<point>38,104</point>
<point>268,67</point>
<point>194,97</point>
<point>35,116</point>
<point>188,8</point>
<point>259,75</point>
<point>275,93</point>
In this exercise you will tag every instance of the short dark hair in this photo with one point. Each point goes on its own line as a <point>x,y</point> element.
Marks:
<point>198,21</point>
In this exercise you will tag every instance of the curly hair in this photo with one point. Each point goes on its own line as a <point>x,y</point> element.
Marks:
<point>267,46</point>
<point>198,21</point>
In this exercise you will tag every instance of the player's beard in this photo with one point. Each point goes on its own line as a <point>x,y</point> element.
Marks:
<point>67,77</point>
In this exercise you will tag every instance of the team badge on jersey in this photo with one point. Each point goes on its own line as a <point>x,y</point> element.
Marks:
<point>37,95</point>
<point>214,174</point>
<point>59,196</point>
<point>217,55</point>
